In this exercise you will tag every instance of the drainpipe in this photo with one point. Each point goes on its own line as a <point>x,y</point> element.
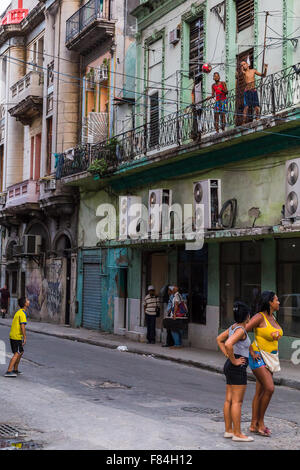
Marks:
<point>58,70</point>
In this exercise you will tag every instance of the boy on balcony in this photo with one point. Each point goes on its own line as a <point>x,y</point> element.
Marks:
<point>250,93</point>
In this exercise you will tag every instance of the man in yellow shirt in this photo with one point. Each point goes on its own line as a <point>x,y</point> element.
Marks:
<point>18,337</point>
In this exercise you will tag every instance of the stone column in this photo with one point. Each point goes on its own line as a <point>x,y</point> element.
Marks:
<point>14,147</point>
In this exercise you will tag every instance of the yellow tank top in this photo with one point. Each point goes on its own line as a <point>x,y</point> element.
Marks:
<point>264,339</point>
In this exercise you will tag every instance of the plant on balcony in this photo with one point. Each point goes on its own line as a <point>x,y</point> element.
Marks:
<point>99,167</point>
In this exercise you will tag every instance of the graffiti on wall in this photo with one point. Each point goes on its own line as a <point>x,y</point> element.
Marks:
<point>46,294</point>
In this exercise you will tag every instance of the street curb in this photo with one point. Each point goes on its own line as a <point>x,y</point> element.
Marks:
<point>217,369</point>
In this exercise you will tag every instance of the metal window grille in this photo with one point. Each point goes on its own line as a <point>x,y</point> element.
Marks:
<point>244,14</point>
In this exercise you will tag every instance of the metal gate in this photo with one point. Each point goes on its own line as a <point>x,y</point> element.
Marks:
<point>92,293</point>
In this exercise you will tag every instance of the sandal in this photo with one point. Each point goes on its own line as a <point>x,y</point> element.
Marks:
<point>265,433</point>
<point>253,430</point>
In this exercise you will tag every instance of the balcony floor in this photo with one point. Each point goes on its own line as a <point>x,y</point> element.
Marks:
<point>91,36</point>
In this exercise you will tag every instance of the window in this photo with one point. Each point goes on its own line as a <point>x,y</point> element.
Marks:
<point>288,282</point>
<point>196,49</point>
<point>240,278</point>
<point>192,281</point>
<point>244,14</point>
<point>154,120</point>
<point>155,75</point>
<point>49,145</point>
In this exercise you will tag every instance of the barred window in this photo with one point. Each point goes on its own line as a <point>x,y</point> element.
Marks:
<point>244,14</point>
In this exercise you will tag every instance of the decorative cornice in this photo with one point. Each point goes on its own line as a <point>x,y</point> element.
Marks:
<point>152,10</point>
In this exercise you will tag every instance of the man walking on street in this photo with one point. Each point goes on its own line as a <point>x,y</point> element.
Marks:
<point>151,303</point>
<point>5,296</point>
<point>18,337</point>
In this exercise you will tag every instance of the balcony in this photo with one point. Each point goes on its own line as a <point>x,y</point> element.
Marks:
<point>89,26</point>
<point>15,16</point>
<point>56,200</point>
<point>23,197</point>
<point>191,129</point>
<point>27,96</point>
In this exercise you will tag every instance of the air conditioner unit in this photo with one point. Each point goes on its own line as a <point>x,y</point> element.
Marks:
<point>49,185</point>
<point>2,199</point>
<point>174,36</point>
<point>17,250</point>
<point>157,198</point>
<point>207,196</point>
<point>32,244</point>
<point>292,185</point>
<point>130,210</point>
<point>102,74</point>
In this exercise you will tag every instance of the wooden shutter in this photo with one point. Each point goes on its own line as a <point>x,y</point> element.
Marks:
<point>196,48</point>
<point>244,14</point>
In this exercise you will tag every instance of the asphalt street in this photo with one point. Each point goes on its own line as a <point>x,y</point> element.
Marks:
<point>79,396</point>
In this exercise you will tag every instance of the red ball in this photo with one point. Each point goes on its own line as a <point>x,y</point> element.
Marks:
<point>206,68</point>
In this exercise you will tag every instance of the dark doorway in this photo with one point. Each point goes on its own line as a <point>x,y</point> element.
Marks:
<point>63,249</point>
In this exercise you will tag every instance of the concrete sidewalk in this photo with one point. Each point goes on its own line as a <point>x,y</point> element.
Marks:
<point>202,358</point>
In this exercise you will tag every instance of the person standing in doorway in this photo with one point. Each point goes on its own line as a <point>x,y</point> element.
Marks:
<point>264,359</point>
<point>235,344</point>
<point>166,322</point>
<point>18,337</point>
<point>5,298</point>
<point>151,303</point>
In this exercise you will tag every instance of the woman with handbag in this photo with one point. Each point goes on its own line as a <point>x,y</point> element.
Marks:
<point>264,358</point>
<point>179,318</point>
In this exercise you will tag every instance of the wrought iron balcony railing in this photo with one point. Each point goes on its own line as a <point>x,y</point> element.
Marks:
<point>277,93</point>
<point>91,11</point>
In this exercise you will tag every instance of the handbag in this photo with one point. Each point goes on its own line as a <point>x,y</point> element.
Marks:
<point>271,360</point>
<point>182,310</point>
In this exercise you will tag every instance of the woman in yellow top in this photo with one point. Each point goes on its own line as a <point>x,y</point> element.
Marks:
<point>267,332</point>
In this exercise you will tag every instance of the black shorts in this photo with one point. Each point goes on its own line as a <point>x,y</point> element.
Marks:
<point>16,346</point>
<point>251,98</point>
<point>235,375</point>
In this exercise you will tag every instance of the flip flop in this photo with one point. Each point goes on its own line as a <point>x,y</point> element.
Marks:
<point>253,430</point>
<point>264,433</point>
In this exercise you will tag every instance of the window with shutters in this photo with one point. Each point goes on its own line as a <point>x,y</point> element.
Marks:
<point>154,120</point>
<point>244,14</point>
<point>196,49</point>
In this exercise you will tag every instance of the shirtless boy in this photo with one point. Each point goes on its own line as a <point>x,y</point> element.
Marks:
<point>250,93</point>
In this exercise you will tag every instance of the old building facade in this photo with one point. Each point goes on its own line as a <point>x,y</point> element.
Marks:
<point>251,240</point>
<point>130,124</point>
<point>39,118</point>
